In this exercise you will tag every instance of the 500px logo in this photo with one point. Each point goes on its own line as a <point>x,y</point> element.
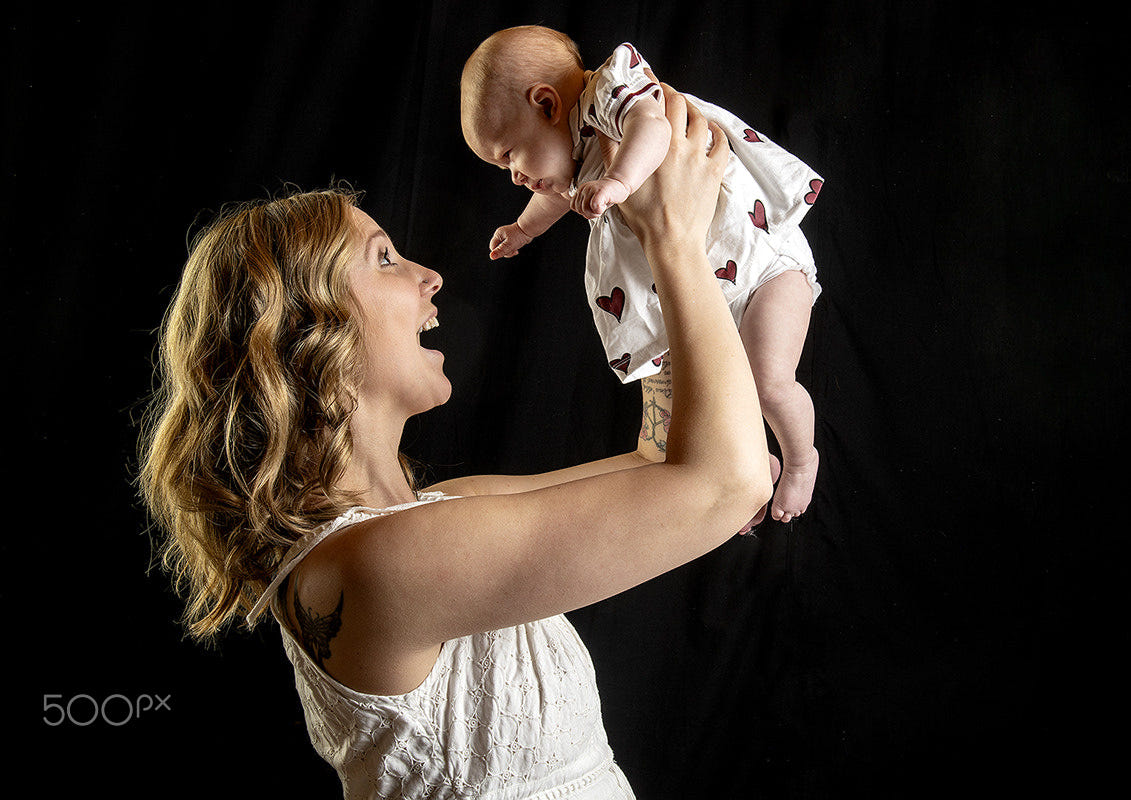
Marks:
<point>116,709</point>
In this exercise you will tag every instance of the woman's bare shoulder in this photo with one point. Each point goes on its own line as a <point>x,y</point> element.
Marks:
<point>341,614</point>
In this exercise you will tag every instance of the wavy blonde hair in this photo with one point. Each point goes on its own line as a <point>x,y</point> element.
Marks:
<point>248,430</point>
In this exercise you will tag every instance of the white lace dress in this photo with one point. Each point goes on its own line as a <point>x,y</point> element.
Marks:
<point>503,715</point>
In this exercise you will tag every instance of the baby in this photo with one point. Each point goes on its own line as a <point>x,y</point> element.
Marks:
<point>529,106</point>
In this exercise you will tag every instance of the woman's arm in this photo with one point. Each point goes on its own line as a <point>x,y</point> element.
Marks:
<point>656,392</point>
<point>434,572</point>
<point>656,413</point>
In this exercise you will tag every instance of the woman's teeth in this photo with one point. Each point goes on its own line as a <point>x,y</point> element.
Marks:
<point>430,323</point>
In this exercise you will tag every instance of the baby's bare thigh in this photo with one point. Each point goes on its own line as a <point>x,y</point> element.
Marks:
<point>776,322</point>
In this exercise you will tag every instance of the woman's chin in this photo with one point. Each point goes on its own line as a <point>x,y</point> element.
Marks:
<point>444,391</point>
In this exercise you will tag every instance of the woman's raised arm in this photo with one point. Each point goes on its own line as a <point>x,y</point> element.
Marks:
<point>446,569</point>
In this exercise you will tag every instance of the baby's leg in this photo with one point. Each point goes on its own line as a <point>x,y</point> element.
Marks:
<point>773,330</point>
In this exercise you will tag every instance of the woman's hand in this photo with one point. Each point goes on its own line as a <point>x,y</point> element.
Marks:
<point>678,200</point>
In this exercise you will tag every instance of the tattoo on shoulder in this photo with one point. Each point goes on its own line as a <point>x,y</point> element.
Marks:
<point>315,630</point>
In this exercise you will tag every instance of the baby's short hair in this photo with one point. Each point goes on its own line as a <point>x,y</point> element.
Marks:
<point>507,62</point>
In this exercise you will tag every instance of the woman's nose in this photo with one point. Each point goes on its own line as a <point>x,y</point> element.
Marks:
<point>430,281</point>
<point>518,178</point>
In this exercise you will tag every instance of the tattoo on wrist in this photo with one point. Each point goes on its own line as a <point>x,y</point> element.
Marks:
<point>657,417</point>
<point>654,427</point>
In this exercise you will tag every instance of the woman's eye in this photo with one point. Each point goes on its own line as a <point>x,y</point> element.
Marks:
<point>385,259</point>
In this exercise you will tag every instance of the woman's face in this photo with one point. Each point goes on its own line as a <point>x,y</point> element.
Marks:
<point>394,300</point>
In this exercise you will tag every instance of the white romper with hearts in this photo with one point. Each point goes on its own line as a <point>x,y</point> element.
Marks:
<point>754,236</point>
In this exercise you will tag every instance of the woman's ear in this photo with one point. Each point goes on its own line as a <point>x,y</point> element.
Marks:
<point>546,99</point>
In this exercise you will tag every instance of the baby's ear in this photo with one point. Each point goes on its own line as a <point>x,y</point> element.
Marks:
<point>546,99</point>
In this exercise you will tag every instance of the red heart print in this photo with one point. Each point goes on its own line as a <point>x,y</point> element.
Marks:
<point>621,363</point>
<point>815,189</point>
<point>751,135</point>
<point>758,216</point>
<point>728,272</point>
<point>613,302</point>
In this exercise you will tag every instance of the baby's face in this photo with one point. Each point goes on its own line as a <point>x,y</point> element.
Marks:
<point>537,153</point>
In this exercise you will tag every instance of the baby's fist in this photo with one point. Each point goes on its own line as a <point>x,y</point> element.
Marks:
<point>593,197</point>
<point>508,240</point>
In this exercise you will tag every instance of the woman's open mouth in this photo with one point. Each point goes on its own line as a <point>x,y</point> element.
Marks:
<point>431,323</point>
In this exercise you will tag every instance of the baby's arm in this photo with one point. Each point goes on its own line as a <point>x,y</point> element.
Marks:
<point>642,148</point>
<point>540,213</point>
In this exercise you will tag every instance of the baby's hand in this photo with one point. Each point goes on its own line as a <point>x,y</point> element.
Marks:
<point>508,240</point>
<point>593,197</point>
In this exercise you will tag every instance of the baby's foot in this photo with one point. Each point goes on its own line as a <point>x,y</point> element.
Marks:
<point>795,489</point>
<point>775,471</point>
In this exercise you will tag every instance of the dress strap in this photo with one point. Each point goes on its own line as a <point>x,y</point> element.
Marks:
<point>300,549</point>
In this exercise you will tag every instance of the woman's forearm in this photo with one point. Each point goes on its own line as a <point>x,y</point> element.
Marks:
<point>715,420</point>
<point>656,413</point>
<point>712,393</point>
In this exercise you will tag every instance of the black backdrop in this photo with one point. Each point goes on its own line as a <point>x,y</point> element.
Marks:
<point>949,614</point>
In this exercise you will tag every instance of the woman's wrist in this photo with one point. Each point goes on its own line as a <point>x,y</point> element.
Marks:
<point>671,240</point>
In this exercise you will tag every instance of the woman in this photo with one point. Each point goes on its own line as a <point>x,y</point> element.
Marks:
<point>425,628</point>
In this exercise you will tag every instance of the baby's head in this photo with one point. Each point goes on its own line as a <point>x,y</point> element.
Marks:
<point>516,93</point>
